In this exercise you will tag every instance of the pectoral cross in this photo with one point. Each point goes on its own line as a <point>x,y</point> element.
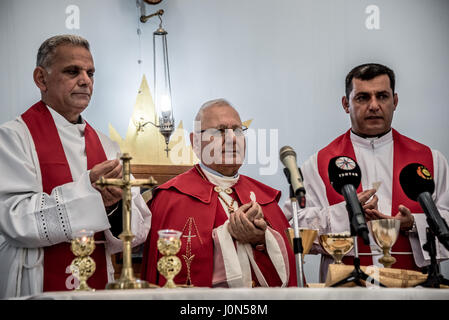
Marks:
<point>127,279</point>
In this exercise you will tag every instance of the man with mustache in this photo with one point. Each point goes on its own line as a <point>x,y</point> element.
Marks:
<point>50,158</point>
<point>233,231</point>
<point>381,153</point>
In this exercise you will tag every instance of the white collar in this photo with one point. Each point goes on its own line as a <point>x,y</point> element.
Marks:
<point>372,142</point>
<point>60,121</point>
<point>218,179</point>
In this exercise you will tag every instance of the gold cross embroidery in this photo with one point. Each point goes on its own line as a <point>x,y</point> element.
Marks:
<point>188,257</point>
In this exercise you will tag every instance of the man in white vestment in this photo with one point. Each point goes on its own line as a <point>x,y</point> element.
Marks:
<point>381,152</point>
<point>50,158</point>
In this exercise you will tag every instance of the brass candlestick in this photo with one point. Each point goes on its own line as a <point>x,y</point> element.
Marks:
<point>127,279</point>
<point>83,266</point>
<point>169,265</point>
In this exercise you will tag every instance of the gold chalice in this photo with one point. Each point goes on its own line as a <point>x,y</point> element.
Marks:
<point>337,245</point>
<point>308,236</point>
<point>385,232</point>
<point>83,266</point>
<point>169,265</point>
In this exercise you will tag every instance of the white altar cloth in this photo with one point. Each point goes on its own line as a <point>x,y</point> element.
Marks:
<point>354,293</point>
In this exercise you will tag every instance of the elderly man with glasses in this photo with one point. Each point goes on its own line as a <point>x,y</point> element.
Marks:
<point>233,231</point>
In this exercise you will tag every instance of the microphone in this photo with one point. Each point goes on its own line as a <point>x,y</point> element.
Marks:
<point>345,177</point>
<point>293,173</point>
<point>418,185</point>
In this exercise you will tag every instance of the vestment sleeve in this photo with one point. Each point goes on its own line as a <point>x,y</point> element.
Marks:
<point>28,216</point>
<point>233,260</point>
<point>140,223</point>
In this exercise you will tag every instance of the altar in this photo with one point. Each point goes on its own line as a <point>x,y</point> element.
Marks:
<point>260,293</point>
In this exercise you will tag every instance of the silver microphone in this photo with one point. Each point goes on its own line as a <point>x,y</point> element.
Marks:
<point>297,195</point>
<point>288,157</point>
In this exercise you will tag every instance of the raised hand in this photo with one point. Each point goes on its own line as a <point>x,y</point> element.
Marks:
<point>110,169</point>
<point>404,215</point>
<point>369,201</point>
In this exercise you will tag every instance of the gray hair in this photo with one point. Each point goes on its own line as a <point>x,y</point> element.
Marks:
<point>212,103</point>
<point>47,49</point>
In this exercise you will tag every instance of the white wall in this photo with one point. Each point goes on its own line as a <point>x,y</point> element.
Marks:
<point>282,63</point>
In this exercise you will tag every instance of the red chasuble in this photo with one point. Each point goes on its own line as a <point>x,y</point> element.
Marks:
<point>405,151</point>
<point>55,171</point>
<point>188,203</point>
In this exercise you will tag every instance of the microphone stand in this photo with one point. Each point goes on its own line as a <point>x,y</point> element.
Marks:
<point>297,241</point>
<point>357,274</point>
<point>434,278</point>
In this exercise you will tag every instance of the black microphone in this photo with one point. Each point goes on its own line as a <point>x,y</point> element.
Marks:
<point>418,185</point>
<point>294,175</point>
<point>345,177</point>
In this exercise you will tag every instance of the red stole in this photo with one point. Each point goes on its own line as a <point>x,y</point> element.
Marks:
<point>405,151</point>
<point>188,202</point>
<point>55,171</point>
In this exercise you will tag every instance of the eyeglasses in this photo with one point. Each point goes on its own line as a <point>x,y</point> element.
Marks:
<point>221,132</point>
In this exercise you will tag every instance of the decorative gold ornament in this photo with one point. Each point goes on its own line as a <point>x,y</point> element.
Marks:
<point>127,279</point>
<point>337,245</point>
<point>385,232</point>
<point>136,141</point>
<point>168,244</point>
<point>188,256</point>
<point>83,266</point>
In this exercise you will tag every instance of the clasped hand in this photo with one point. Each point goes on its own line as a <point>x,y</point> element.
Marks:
<point>247,224</point>
<point>109,169</point>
